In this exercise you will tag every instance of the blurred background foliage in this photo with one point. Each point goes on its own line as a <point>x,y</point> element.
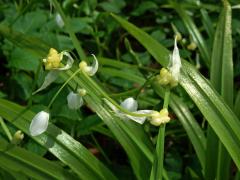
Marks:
<point>100,34</point>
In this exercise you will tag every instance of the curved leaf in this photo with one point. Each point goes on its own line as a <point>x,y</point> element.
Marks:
<point>218,114</point>
<point>59,143</point>
<point>32,165</point>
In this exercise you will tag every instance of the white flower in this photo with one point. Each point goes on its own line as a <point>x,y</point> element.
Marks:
<point>156,118</point>
<point>39,123</point>
<point>131,105</point>
<point>59,20</point>
<point>75,100</point>
<point>89,70</point>
<point>175,62</point>
<point>53,63</point>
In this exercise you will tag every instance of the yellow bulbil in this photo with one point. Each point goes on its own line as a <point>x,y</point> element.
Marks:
<point>165,78</point>
<point>18,137</point>
<point>159,118</point>
<point>192,46</point>
<point>178,36</point>
<point>53,59</point>
<point>83,65</point>
<point>82,92</point>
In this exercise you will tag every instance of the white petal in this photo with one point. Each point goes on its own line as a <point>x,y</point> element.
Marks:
<point>175,62</point>
<point>140,120</point>
<point>91,70</point>
<point>39,123</point>
<point>51,76</point>
<point>69,61</point>
<point>75,101</point>
<point>59,20</point>
<point>130,104</point>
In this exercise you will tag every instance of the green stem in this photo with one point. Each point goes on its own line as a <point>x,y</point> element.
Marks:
<point>157,170</point>
<point>6,130</point>
<point>57,93</point>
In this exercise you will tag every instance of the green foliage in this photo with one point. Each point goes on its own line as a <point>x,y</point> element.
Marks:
<point>132,42</point>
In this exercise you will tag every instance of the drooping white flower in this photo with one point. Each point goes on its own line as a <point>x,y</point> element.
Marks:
<point>131,105</point>
<point>59,20</point>
<point>39,123</point>
<point>89,70</point>
<point>75,101</point>
<point>175,62</point>
<point>156,118</point>
<point>53,63</point>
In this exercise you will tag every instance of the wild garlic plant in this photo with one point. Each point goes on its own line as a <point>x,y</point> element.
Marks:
<point>53,63</point>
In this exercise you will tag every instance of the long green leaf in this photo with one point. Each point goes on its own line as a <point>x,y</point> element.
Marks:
<point>60,144</point>
<point>32,165</point>
<point>219,115</point>
<point>237,105</point>
<point>221,76</point>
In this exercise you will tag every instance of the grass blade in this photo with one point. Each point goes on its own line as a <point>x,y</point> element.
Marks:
<point>221,76</point>
<point>32,165</point>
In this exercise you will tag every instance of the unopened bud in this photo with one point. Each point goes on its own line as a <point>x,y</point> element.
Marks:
<point>159,118</point>
<point>178,36</point>
<point>192,46</point>
<point>82,92</point>
<point>18,137</point>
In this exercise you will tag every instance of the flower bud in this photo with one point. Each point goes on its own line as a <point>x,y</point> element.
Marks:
<point>159,118</point>
<point>164,78</point>
<point>192,46</point>
<point>82,92</point>
<point>18,137</point>
<point>89,70</point>
<point>39,123</point>
<point>178,36</point>
<point>75,101</point>
<point>59,20</point>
